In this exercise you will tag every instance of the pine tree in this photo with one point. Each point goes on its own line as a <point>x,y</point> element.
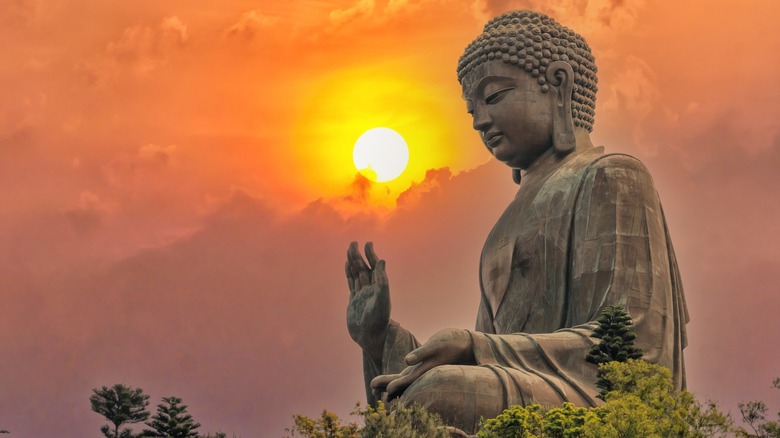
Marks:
<point>617,337</point>
<point>120,405</point>
<point>617,342</point>
<point>172,420</point>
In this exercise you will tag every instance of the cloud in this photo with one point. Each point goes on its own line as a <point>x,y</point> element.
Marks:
<point>174,31</point>
<point>148,158</point>
<point>395,6</point>
<point>145,48</point>
<point>360,199</point>
<point>156,155</point>
<point>361,190</point>
<point>141,50</point>
<point>633,93</point>
<point>13,122</point>
<point>19,114</point>
<point>583,16</point>
<point>249,24</point>
<point>361,8</point>
<point>88,215</point>
<point>434,178</point>
<point>16,12</point>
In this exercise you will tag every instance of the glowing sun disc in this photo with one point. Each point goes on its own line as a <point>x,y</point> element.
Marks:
<point>380,154</point>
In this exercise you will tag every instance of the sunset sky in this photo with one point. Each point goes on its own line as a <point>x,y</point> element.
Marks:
<point>178,192</point>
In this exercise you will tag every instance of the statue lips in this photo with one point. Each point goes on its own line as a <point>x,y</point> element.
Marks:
<point>493,138</point>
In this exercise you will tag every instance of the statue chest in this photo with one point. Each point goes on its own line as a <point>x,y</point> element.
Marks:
<point>524,262</point>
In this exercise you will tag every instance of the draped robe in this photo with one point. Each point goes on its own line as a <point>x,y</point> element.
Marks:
<point>583,232</point>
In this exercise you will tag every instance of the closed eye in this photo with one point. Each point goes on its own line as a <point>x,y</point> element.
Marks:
<point>498,95</point>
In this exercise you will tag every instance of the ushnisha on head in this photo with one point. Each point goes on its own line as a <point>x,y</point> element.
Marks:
<point>533,41</point>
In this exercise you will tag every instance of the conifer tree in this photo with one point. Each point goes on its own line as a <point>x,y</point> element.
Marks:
<point>120,405</point>
<point>172,420</point>
<point>617,342</point>
<point>617,337</point>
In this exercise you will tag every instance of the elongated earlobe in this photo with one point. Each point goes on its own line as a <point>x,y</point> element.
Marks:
<point>561,76</point>
<point>516,177</point>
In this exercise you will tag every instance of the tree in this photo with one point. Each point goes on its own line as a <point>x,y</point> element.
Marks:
<point>172,420</point>
<point>642,398</point>
<point>327,426</point>
<point>400,421</point>
<point>617,342</point>
<point>642,403</point>
<point>120,405</point>
<point>625,416</point>
<point>617,337</point>
<point>754,415</point>
<point>568,421</point>
<point>515,422</point>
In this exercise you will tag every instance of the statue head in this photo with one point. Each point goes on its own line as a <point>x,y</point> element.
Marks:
<point>535,80</point>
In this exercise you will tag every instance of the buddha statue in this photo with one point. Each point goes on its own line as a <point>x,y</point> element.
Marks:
<point>585,230</point>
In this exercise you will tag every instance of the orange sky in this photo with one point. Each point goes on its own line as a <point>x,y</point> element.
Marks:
<point>178,190</point>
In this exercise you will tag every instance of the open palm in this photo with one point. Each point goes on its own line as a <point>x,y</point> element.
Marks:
<point>368,311</point>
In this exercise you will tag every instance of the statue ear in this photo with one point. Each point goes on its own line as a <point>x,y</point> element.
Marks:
<point>560,76</point>
<point>516,176</point>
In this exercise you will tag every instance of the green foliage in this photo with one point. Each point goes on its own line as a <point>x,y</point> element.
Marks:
<point>625,416</point>
<point>120,405</point>
<point>379,422</point>
<point>515,422</point>
<point>643,379</point>
<point>568,421</point>
<point>172,421</point>
<point>754,416</point>
<point>400,422</point>
<point>617,342</point>
<point>643,399</point>
<point>643,403</point>
<point>327,426</point>
<point>617,337</point>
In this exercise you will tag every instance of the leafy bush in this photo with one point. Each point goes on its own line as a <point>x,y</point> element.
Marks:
<point>379,422</point>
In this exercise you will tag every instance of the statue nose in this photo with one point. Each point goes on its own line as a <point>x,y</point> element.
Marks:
<point>481,121</point>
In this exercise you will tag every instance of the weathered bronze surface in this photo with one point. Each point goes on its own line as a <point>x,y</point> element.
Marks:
<point>585,230</point>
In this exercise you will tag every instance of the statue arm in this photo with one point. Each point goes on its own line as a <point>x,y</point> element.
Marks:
<point>383,341</point>
<point>620,254</point>
<point>398,343</point>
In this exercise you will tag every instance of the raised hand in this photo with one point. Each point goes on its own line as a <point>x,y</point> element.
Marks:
<point>368,311</point>
<point>445,347</point>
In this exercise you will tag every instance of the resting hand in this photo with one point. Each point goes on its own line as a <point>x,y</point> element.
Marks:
<point>368,311</point>
<point>446,347</point>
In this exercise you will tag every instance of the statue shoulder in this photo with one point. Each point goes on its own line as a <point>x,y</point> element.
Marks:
<point>616,161</point>
<point>620,175</point>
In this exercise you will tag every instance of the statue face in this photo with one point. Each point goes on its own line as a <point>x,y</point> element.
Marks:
<point>514,118</point>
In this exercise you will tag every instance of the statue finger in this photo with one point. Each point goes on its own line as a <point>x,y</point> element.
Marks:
<point>350,279</point>
<point>357,264</point>
<point>379,383</point>
<point>380,275</point>
<point>351,251</point>
<point>399,385</point>
<point>419,354</point>
<point>371,255</point>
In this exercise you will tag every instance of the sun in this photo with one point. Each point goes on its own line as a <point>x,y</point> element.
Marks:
<point>380,154</point>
